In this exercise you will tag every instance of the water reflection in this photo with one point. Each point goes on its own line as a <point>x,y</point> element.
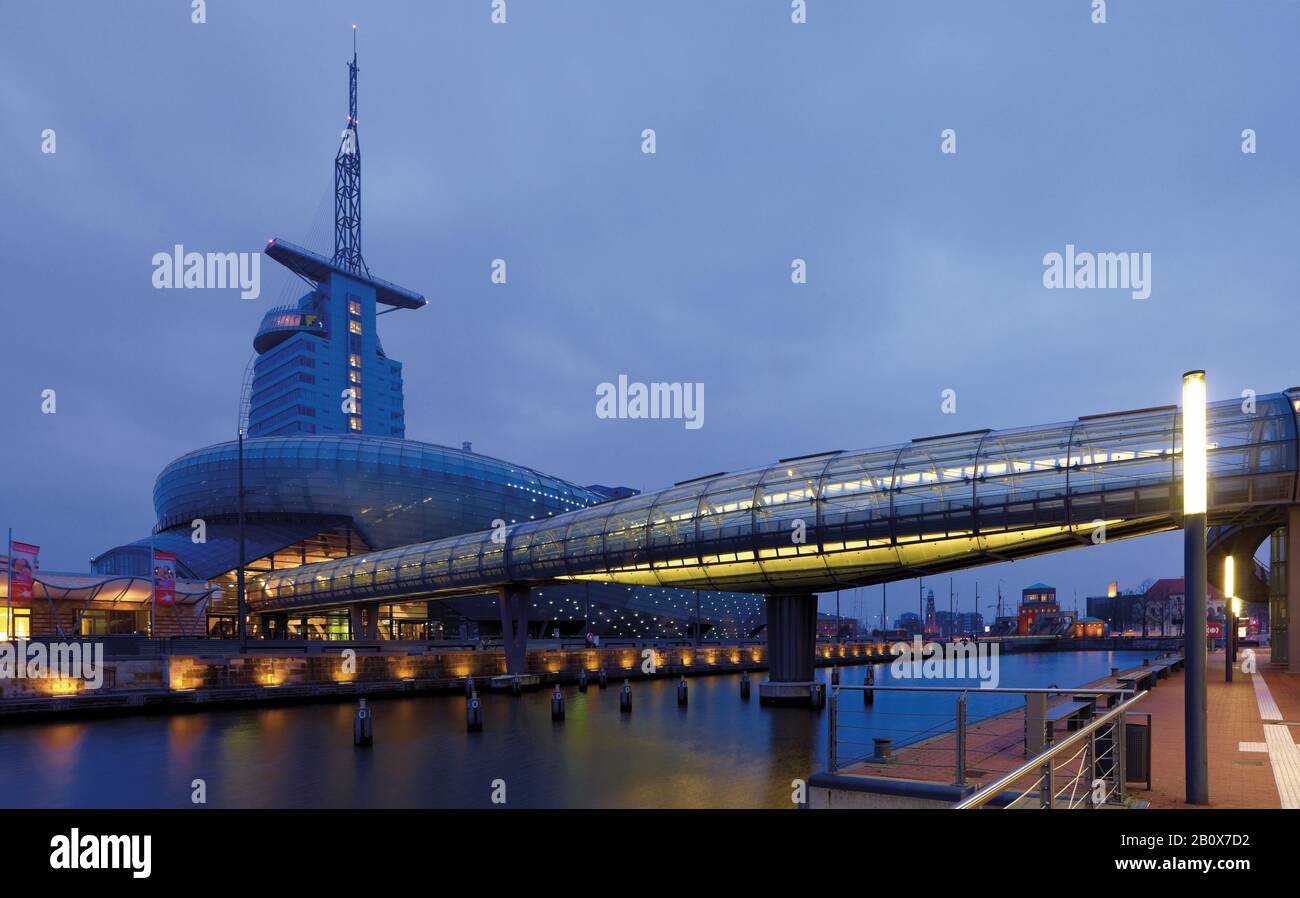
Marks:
<point>719,751</point>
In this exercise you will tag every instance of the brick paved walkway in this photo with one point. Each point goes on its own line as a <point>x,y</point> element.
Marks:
<point>1238,779</point>
<point>1253,722</point>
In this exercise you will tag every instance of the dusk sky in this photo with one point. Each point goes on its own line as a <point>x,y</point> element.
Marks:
<point>523,142</point>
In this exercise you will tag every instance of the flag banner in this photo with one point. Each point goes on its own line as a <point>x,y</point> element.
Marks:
<point>22,571</point>
<point>164,577</point>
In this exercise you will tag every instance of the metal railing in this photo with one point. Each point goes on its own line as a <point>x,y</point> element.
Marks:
<point>919,730</point>
<point>1097,777</point>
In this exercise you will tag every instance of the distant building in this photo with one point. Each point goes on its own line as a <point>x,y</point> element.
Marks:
<point>1004,626</point>
<point>945,623</point>
<point>908,621</point>
<point>959,623</point>
<point>1121,613</point>
<point>1037,603</point>
<point>931,622</point>
<point>970,623</point>
<point>1088,626</point>
<point>830,627</point>
<point>1164,603</point>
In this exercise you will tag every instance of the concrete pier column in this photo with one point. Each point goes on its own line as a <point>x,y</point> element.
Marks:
<point>356,622</point>
<point>372,620</point>
<point>1292,589</point>
<point>791,648</point>
<point>514,604</point>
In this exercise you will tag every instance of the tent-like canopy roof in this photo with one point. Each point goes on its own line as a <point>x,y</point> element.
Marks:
<point>123,591</point>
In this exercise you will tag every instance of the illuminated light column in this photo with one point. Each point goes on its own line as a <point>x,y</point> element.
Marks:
<point>1229,616</point>
<point>1194,585</point>
<point>1236,622</point>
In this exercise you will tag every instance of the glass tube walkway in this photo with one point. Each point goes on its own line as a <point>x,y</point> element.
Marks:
<point>842,519</point>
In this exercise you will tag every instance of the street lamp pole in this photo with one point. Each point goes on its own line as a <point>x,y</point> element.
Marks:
<point>1229,617</point>
<point>1194,583</point>
<point>239,572</point>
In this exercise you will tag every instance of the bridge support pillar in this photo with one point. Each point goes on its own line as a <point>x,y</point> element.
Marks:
<point>1292,575</point>
<point>356,623</point>
<point>791,648</point>
<point>372,620</point>
<point>514,603</point>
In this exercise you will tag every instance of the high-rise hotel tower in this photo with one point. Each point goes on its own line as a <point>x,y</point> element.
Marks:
<point>320,366</point>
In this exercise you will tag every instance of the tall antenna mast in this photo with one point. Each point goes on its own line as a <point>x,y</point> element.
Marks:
<point>347,183</point>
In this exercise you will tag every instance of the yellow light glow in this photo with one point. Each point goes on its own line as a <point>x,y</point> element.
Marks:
<point>1236,607</point>
<point>63,686</point>
<point>1229,578</point>
<point>1194,442</point>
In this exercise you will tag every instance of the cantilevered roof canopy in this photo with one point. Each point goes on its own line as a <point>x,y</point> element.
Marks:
<point>107,588</point>
<point>219,553</point>
<point>317,269</point>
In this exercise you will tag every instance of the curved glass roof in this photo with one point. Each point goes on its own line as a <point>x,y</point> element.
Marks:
<point>395,491</point>
<point>848,519</point>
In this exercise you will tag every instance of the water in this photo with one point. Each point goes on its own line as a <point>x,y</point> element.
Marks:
<point>719,751</point>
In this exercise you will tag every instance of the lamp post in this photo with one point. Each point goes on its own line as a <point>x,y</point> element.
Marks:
<point>239,572</point>
<point>838,625</point>
<point>1229,616</point>
<point>1194,583</point>
<point>1236,618</point>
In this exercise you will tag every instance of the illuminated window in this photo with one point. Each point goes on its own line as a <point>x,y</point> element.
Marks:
<point>354,307</point>
<point>356,394</point>
<point>354,375</point>
<point>22,624</point>
<point>354,360</point>
<point>354,423</point>
<point>354,327</point>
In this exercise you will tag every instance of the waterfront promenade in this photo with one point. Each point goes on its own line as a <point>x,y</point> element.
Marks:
<point>1243,714</point>
<point>1254,761</point>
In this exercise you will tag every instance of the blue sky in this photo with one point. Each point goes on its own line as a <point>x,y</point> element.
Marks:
<point>522,141</point>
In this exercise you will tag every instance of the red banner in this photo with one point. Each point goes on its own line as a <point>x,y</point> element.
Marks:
<point>164,578</point>
<point>22,571</point>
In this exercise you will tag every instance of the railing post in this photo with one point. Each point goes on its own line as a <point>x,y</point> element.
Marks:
<point>1048,796</point>
<point>832,723</point>
<point>961,740</point>
<point>1121,756</point>
<point>1091,755</point>
<point>1036,738</point>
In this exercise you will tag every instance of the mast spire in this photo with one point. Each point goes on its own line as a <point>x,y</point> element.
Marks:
<point>347,183</point>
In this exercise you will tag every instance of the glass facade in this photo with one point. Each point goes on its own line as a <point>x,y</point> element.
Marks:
<point>312,359</point>
<point>394,491</point>
<point>848,519</point>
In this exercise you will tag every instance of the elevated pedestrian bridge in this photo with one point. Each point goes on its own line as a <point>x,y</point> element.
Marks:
<point>842,519</point>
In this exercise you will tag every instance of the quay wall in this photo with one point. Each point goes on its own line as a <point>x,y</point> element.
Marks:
<point>406,667</point>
